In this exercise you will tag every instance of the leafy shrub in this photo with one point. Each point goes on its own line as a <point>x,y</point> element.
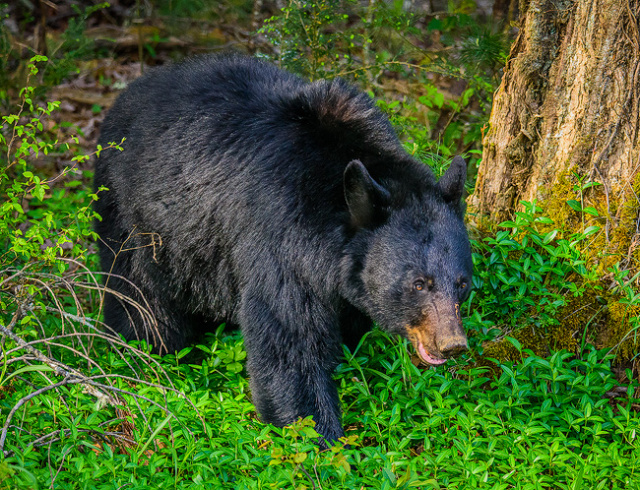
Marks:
<point>49,345</point>
<point>37,221</point>
<point>524,273</point>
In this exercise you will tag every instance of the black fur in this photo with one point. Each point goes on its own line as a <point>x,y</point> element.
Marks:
<point>249,196</point>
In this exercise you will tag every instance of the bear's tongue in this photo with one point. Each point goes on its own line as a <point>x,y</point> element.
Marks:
<point>424,355</point>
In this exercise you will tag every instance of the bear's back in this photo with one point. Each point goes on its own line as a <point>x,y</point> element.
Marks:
<point>244,125</point>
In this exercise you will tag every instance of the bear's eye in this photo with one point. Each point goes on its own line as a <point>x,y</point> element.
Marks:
<point>421,285</point>
<point>463,285</point>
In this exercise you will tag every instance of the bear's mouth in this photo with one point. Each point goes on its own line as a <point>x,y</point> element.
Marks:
<point>426,357</point>
<point>416,337</point>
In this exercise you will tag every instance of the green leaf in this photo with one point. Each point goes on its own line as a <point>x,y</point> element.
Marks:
<point>389,475</point>
<point>515,342</point>
<point>38,192</point>
<point>154,434</point>
<point>27,369</point>
<point>299,458</point>
<point>575,205</point>
<point>590,230</point>
<point>438,100</point>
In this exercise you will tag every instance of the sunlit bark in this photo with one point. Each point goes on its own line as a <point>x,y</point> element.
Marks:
<point>567,113</point>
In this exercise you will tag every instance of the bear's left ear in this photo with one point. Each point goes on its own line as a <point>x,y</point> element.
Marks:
<point>367,200</point>
<point>451,184</point>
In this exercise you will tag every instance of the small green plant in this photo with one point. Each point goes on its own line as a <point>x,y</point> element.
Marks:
<point>423,131</point>
<point>45,225</point>
<point>580,187</point>
<point>524,276</point>
<point>39,224</point>
<point>73,45</point>
<point>306,35</point>
<point>625,314</point>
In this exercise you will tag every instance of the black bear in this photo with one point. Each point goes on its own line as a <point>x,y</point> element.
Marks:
<point>247,195</point>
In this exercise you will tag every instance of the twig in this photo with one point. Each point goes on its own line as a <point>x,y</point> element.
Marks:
<point>57,367</point>
<point>304,470</point>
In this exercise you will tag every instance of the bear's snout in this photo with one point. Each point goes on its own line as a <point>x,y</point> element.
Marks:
<point>452,345</point>
<point>439,335</point>
<point>450,337</point>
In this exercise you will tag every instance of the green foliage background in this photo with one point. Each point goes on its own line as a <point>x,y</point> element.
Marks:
<point>542,400</point>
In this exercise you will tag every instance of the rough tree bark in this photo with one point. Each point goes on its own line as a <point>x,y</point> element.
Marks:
<point>568,111</point>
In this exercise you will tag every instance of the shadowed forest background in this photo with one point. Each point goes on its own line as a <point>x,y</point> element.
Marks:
<point>542,99</point>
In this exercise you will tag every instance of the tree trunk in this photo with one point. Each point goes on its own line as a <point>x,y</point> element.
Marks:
<point>566,114</point>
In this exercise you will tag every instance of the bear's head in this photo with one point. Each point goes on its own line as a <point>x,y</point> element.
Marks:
<point>416,269</point>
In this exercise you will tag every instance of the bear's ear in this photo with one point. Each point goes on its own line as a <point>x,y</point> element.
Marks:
<point>367,200</point>
<point>451,184</point>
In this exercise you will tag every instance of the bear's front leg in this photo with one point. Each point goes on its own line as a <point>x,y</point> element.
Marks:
<point>290,362</point>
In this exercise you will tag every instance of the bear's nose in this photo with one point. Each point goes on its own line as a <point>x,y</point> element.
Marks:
<point>453,346</point>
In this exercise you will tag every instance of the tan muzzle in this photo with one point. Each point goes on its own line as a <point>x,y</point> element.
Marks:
<point>439,335</point>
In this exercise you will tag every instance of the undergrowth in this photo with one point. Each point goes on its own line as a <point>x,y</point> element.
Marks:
<point>541,423</point>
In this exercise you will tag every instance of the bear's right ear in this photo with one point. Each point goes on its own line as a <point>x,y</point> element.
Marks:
<point>451,184</point>
<point>367,200</point>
